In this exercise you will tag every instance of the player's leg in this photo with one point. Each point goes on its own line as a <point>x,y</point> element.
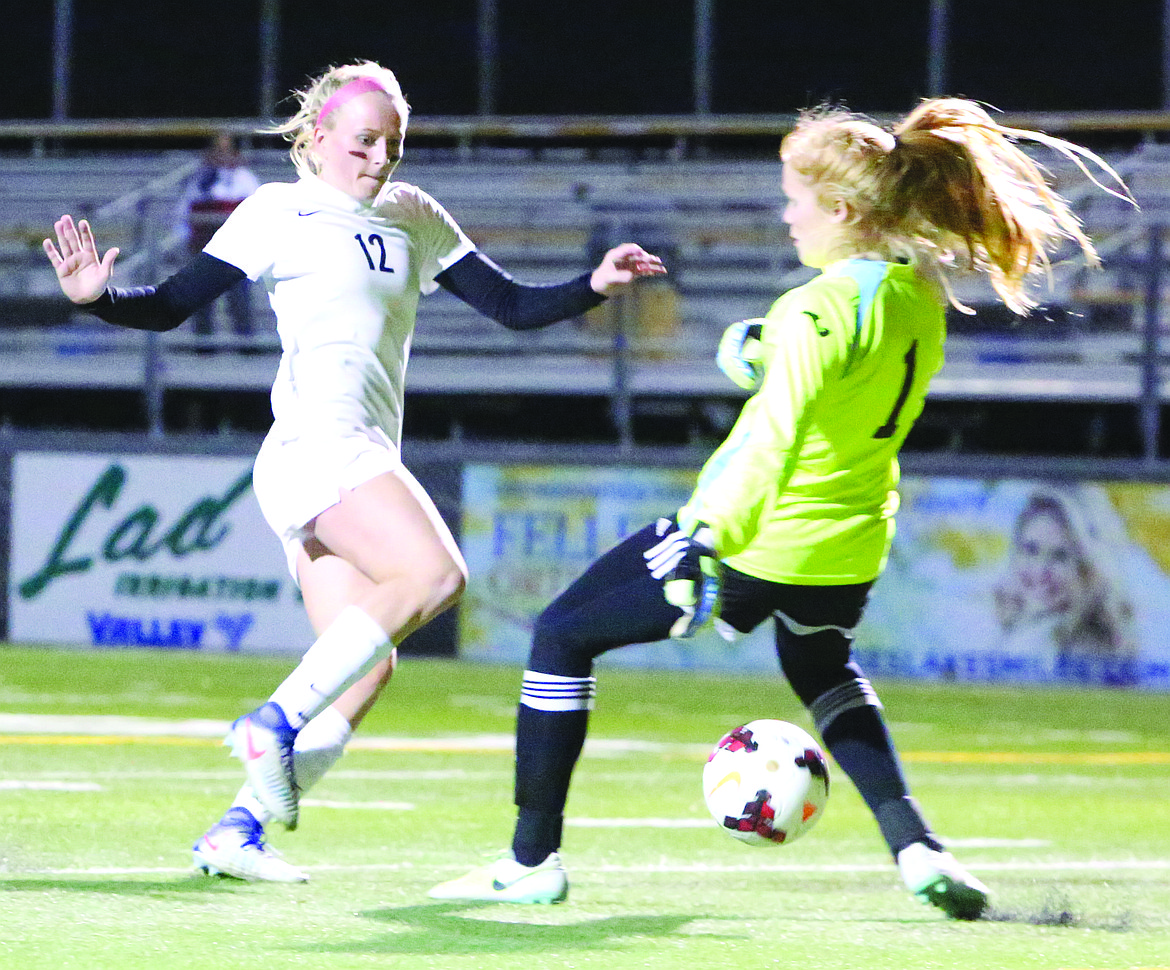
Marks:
<point>235,845</point>
<point>388,530</point>
<point>814,638</point>
<point>616,602</point>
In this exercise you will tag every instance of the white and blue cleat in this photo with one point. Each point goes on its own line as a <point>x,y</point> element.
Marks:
<point>234,846</point>
<point>263,741</point>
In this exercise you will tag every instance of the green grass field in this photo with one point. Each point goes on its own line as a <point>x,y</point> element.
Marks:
<point>111,766</point>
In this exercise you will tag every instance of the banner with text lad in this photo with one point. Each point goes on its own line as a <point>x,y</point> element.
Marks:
<point>146,551</point>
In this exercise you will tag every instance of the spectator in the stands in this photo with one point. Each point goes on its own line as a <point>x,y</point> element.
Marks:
<point>221,183</point>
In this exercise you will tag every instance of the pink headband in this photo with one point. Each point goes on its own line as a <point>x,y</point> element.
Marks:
<point>348,91</point>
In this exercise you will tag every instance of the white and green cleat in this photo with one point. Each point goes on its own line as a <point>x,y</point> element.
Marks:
<point>938,880</point>
<point>507,881</point>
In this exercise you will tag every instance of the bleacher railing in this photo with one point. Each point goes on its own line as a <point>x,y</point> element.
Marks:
<point>625,358</point>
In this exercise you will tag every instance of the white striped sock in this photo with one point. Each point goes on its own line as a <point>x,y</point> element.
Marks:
<point>550,692</point>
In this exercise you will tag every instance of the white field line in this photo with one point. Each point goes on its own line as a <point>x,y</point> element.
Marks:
<point>583,823</point>
<point>367,806</point>
<point>17,784</point>
<point>1071,865</point>
<point>640,823</point>
<point>45,728</point>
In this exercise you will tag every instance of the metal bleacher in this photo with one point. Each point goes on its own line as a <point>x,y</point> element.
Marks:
<point>544,218</point>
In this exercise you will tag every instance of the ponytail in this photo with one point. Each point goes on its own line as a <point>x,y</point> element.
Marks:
<point>948,185</point>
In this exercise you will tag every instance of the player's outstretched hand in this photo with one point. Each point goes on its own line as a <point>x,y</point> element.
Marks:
<point>83,275</point>
<point>622,265</point>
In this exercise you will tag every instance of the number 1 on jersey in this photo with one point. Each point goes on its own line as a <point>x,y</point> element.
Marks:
<point>887,430</point>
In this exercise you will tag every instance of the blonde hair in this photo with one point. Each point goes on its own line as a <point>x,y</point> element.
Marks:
<point>947,185</point>
<point>299,128</point>
<point>1099,622</point>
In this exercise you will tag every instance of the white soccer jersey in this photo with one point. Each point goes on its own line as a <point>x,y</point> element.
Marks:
<point>343,278</point>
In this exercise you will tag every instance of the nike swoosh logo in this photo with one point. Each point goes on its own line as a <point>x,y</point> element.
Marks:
<point>730,776</point>
<point>313,213</point>
<point>211,845</point>
<point>815,317</point>
<point>253,754</point>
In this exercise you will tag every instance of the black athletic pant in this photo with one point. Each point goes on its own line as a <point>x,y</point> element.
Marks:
<point>616,602</point>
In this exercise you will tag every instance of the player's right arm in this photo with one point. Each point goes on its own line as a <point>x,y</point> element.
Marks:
<point>740,355</point>
<point>742,479</point>
<point>84,278</point>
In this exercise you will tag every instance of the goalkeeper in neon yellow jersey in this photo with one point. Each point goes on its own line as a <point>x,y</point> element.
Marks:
<point>793,515</point>
<point>803,490</point>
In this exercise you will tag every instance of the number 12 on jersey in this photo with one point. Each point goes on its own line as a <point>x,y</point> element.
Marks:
<point>374,240</point>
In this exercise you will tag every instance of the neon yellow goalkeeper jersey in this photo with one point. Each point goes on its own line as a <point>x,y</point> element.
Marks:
<point>804,489</point>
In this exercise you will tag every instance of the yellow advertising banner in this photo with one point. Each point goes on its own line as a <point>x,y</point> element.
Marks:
<point>988,580</point>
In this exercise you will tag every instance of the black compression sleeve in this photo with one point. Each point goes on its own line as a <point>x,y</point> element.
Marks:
<point>481,284</point>
<point>165,306</point>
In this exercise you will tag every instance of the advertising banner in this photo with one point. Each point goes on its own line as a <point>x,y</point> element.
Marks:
<point>1014,580</point>
<point>155,551</point>
<point>529,531</point>
<point>988,580</point>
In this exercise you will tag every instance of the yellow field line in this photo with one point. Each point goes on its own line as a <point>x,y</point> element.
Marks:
<point>469,745</point>
<point>1041,757</point>
<point>102,739</point>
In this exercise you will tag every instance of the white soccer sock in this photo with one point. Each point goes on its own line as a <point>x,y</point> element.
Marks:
<point>348,648</point>
<point>318,746</point>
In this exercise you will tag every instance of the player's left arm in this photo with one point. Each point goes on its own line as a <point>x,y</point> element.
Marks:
<point>483,285</point>
<point>746,346</point>
<point>740,354</point>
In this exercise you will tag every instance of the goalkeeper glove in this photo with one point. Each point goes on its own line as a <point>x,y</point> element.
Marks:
<point>690,566</point>
<point>740,354</point>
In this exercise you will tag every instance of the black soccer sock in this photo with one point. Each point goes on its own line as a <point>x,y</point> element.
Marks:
<point>537,834</point>
<point>861,745</point>
<point>550,732</point>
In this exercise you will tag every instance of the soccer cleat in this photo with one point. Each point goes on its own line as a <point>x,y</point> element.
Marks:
<point>234,846</point>
<point>263,741</point>
<point>506,881</point>
<point>937,879</point>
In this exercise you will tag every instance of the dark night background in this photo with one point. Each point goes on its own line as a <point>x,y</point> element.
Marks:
<point>150,59</point>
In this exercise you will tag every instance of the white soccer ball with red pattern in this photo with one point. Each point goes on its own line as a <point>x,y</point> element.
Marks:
<point>766,783</point>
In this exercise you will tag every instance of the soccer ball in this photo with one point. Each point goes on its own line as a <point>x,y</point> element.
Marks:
<point>766,782</point>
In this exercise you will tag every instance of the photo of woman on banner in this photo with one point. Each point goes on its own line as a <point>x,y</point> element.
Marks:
<point>1061,597</point>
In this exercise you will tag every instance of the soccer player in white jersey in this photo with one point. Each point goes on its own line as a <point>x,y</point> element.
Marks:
<point>344,253</point>
<point>793,514</point>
